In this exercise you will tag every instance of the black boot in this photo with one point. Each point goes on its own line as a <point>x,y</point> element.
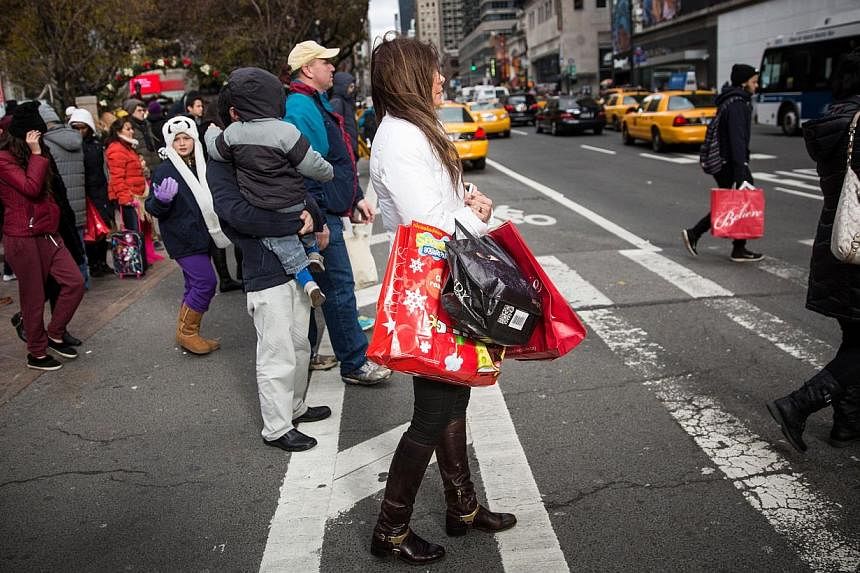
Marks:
<point>392,536</point>
<point>791,411</point>
<point>464,511</point>
<point>219,258</point>
<point>846,418</point>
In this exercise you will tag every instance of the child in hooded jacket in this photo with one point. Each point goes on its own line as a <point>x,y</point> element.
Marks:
<point>272,158</point>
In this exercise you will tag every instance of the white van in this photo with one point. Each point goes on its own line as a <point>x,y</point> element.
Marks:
<point>485,93</point>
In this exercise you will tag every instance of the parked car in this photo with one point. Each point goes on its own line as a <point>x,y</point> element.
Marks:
<point>522,108</point>
<point>670,117</point>
<point>469,138</point>
<point>621,103</point>
<point>570,113</point>
<point>492,117</point>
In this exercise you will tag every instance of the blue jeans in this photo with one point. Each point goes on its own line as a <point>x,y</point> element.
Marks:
<point>340,311</point>
<point>84,266</point>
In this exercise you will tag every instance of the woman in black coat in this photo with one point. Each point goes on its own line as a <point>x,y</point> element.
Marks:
<point>834,286</point>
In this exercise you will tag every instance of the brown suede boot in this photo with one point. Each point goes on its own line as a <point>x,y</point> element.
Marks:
<point>392,536</point>
<point>189,333</point>
<point>464,511</point>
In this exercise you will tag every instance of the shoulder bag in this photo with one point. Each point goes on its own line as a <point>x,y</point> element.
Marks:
<point>845,240</point>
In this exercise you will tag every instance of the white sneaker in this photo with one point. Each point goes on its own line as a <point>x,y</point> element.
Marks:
<point>315,293</point>
<point>8,278</point>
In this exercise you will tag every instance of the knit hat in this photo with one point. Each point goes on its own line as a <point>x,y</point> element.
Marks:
<point>131,104</point>
<point>48,114</point>
<point>154,108</point>
<point>79,115</point>
<point>741,73</point>
<point>69,110</point>
<point>306,52</point>
<point>196,182</point>
<point>26,118</point>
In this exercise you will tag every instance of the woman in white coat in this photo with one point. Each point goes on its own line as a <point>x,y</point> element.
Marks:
<point>417,175</point>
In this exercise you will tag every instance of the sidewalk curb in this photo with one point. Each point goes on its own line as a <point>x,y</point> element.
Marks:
<point>21,376</point>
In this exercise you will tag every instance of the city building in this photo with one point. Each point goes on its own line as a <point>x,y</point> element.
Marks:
<point>569,44</point>
<point>483,54</point>
<point>656,41</point>
<point>407,16</point>
<point>428,26</point>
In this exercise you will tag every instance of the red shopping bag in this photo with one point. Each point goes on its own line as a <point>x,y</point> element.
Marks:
<point>737,213</point>
<point>95,229</point>
<point>413,333</point>
<point>559,330</point>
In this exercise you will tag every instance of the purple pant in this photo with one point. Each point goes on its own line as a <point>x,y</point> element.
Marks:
<point>200,281</point>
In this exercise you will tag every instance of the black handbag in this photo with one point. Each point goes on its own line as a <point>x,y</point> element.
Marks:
<point>486,295</point>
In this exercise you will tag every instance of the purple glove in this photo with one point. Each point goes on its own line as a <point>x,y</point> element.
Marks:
<point>166,191</point>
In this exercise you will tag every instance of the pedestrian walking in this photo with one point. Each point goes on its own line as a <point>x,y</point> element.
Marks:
<point>155,118</point>
<point>66,147</point>
<point>734,114</point>
<point>417,175</point>
<point>95,186</point>
<point>32,239</point>
<point>281,312</point>
<point>343,102</point>
<point>833,284</point>
<point>309,110</point>
<point>194,107</point>
<point>182,203</point>
<point>271,158</point>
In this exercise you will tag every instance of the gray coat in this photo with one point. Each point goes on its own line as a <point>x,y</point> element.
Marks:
<point>67,147</point>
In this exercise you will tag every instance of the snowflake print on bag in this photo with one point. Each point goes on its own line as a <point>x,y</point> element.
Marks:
<point>415,301</point>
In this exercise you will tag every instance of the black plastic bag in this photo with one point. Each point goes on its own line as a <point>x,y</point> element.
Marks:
<point>486,295</point>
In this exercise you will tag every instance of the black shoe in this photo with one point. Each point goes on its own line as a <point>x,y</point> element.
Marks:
<point>745,256</point>
<point>96,271</point>
<point>690,240</point>
<point>230,285</point>
<point>44,363</point>
<point>18,323</point>
<point>70,340</point>
<point>846,418</point>
<point>791,411</point>
<point>62,349</point>
<point>314,414</point>
<point>292,441</point>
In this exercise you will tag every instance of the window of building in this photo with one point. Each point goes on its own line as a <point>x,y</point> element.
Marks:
<point>601,4</point>
<point>578,4</point>
<point>531,19</point>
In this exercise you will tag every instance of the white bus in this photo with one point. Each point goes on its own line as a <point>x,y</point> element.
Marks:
<point>795,72</point>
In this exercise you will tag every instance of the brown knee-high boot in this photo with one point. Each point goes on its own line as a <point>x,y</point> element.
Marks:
<point>464,511</point>
<point>392,536</point>
<point>188,332</point>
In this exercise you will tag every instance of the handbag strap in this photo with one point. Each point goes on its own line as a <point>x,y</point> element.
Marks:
<point>460,227</point>
<point>851,131</point>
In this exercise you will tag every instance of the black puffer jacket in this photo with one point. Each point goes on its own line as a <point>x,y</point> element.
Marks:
<point>734,132</point>
<point>95,177</point>
<point>834,287</point>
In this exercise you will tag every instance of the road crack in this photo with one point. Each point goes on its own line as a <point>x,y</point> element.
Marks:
<point>622,485</point>
<point>70,473</point>
<point>95,440</point>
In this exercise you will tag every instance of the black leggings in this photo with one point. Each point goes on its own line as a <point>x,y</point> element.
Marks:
<point>845,366</point>
<point>436,404</point>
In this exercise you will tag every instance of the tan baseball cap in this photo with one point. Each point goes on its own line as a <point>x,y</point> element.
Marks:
<point>306,52</point>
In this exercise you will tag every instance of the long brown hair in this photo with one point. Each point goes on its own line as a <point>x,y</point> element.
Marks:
<point>115,128</point>
<point>20,151</point>
<point>401,76</point>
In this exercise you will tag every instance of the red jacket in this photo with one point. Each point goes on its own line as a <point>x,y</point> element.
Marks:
<point>29,209</point>
<point>126,174</point>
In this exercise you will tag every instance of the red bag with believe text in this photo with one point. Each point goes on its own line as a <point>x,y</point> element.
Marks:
<point>737,213</point>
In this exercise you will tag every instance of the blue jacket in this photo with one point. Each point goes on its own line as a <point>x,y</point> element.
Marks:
<point>182,227</point>
<point>311,112</point>
<point>244,224</point>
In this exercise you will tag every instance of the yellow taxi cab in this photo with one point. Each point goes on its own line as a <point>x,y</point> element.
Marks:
<point>469,138</point>
<point>670,117</point>
<point>492,117</point>
<point>619,103</point>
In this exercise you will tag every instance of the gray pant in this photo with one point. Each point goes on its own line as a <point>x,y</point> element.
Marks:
<point>281,316</point>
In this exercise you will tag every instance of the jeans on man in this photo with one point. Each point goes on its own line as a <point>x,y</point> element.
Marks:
<point>341,314</point>
<point>725,180</point>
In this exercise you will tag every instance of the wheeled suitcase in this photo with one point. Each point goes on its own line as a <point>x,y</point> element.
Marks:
<point>127,249</point>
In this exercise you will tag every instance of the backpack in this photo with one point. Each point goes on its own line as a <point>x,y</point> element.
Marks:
<point>709,154</point>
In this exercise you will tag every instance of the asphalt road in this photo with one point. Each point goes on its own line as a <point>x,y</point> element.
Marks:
<point>649,445</point>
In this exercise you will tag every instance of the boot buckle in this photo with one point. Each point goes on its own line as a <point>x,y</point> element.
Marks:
<point>396,540</point>
<point>469,518</point>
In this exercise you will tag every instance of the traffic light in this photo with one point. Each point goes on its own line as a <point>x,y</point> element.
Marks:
<point>473,67</point>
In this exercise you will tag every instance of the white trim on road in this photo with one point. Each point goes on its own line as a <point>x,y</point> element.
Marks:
<point>510,486</point>
<point>685,279</point>
<point>785,270</point>
<point>598,149</point>
<point>807,242</point>
<point>368,296</point>
<point>518,132</point>
<point>770,178</point>
<point>670,158</point>
<point>799,193</point>
<point>297,529</point>
<point>598,220</point>
<point>762,156</point>
<point>576,290</point>
<point>798,173</point>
